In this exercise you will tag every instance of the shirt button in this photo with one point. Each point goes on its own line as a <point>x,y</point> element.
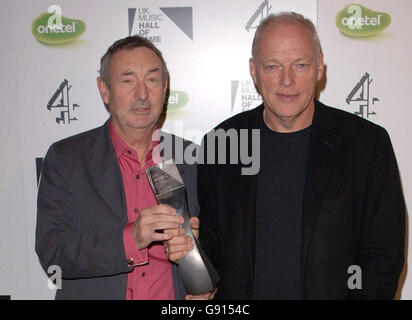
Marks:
<point>137,176</point>
<point>136,210</point>
<point>129,152</point>
<point>143,274</point>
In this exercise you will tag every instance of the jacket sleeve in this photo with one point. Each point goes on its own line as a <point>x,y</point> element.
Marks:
<point>58,239</point>
<point>381,252</point>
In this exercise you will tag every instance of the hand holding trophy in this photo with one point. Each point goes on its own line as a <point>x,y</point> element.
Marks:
<point>198,274</point>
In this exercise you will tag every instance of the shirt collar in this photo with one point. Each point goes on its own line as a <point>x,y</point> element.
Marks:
<point>121,147</point>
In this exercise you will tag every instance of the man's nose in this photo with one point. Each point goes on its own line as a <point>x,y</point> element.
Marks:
<point>142,92</point>
<point>287,78</point>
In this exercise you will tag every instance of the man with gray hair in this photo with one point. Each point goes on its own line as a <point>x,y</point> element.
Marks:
<point>97,217</point>
<point>324,218</point>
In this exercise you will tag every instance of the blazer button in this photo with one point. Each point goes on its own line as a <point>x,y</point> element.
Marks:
<point>130,262</point>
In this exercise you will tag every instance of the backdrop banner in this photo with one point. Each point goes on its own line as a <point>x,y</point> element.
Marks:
<point>52,58</point>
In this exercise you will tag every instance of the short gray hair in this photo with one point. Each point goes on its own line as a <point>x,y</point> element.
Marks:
<point>128,43</point>
<point>287,17</point>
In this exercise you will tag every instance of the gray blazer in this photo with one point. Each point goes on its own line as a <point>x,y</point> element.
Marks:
<point>81,213</point>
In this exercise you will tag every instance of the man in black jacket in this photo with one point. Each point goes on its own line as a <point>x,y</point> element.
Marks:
<point>324,216</point>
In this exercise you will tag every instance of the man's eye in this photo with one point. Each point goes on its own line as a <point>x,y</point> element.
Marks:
<point>302,65</point>
<point>153,81</point>
<point>271,67</point>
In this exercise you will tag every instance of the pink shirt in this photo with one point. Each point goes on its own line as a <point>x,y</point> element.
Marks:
<point>151,277</point>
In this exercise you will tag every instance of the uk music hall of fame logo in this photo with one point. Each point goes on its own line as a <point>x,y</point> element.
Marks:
<point>148,22</point>
<point>60,101</point>
<point>261,12</point>
<point>361,95</point>
<point>244,96</point>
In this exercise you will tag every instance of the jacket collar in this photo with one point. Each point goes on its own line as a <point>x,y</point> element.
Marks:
<point>105,171</point>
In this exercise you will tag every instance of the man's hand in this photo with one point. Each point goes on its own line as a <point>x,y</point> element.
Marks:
<point>177,248</point>
<point>179,245</point>
<point>153,219</point>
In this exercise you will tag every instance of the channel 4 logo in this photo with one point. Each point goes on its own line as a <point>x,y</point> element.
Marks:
<point>261,13</point>
<point>362,96</point>
<point>60,101</point>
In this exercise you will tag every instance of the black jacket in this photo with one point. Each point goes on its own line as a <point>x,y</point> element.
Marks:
<point>353,211</point>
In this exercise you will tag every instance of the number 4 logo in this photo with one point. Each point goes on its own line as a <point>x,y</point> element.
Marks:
<point>360,94</point>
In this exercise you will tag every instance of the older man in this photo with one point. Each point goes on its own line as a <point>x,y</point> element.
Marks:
<point>324,217</point>
<point>97,216</point>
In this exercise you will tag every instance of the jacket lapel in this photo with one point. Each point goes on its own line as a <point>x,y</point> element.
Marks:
<point>321,159</point>
<point>105,173</point>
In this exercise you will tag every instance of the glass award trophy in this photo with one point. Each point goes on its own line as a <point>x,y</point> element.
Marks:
<point>198,274</point>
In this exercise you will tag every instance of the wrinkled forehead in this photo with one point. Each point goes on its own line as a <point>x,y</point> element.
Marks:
<point>140,58</point>
<point>280,33</point>
<point>141,55</point>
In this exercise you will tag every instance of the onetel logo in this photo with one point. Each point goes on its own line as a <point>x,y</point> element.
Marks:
<point>357,21</point>
<point>176,101</point>
<point>53,28</point>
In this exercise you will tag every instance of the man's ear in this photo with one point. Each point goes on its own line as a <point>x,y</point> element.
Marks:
<point>165,87</point>
<point>166,83</point>
<point>104,90</point>
<point>252,70</point>
<point>321,66</point>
